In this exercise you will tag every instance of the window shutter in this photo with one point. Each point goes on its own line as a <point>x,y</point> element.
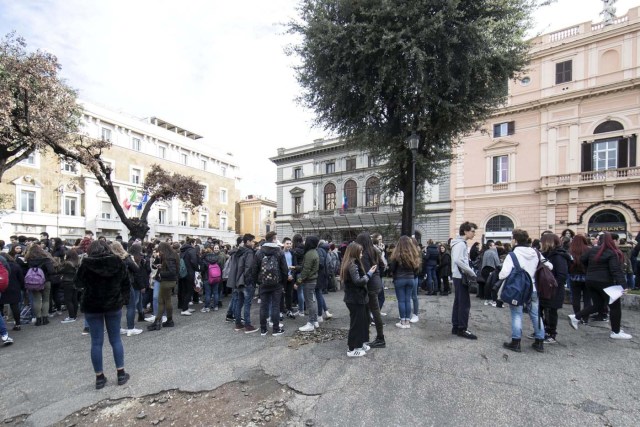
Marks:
<point>587,157</point>
<point>496,130</point>
<point>511,128</point>
<point>623,152</point>
<point>568,71</point>
<point>495,170</point>
<point>632,151</point>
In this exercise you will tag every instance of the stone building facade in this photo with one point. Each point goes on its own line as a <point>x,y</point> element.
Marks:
<point>334,191</point>
<point>64,199</point>
<point>257,216</point>
<point>562,153</point>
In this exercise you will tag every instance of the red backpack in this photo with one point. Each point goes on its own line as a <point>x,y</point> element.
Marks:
<point>215,274</point>
<point>4,278</point>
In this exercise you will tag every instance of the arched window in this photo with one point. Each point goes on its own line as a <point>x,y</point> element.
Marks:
<point>329,197</point>
<point>372,191</point>
<point>608,126</point>
<point>607,220</point>
<point>350,194</point>
<point>607,216</point>
<point>499,223</point>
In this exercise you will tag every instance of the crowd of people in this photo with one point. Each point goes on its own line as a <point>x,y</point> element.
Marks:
<point>45,278</point>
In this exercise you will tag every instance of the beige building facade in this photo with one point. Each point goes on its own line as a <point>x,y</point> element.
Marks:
<point>562,153</point>
<point>257,216</point>
<point>64,199</point>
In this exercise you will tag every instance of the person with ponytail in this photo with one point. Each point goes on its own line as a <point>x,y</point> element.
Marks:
<point>604,269</point>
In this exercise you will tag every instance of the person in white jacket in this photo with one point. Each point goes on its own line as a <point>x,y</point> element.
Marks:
<point>528,259</point>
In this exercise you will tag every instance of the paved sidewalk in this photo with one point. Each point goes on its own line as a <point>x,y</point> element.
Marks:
<point>424,377</point>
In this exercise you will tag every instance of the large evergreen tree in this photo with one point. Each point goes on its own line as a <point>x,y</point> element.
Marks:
<point>376,70</point>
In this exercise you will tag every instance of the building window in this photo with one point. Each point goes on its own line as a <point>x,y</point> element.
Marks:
<point>297,204</point>
<point>372,190</point>
<point>329,197</point>
<point>68,166</point>
<point>70,206</point>
<point>563,72</point>
<point>500,169</point>
<point>30,159</point>
<point>330,167</point>
<point>135,144</point>
<point>504,129</point>
<point>106,134</point>
<point>204,221</point>
<point>223,170</point>
<point>351,164</point>
<point>184,158</point>
<point>203,165</point>
<point>297,173</point>
<point>184,219</point>
<point>223,223</point>
<point>162,216</point>
<point>267,228</point>
<point>350,195</point>
<point>136,175</point>
<point>499,223</point>
<point>223,195</point>
<point>372,161</point>
<point>609,153</point>
<point>106,210</point>
<point>27,201</point>
<point>162,152</point>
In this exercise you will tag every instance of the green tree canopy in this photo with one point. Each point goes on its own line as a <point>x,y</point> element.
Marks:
<point>376,70</point>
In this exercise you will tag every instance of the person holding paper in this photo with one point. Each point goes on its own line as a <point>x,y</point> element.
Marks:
<point>604,269</point>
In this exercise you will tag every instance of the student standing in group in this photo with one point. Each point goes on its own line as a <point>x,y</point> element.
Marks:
<point>298,257</point>
<point>168,264</point>
<point>186,284</point>
<point>553,251</point>
<point>356,296</point>
<point>307,278</point>
<point>404,263</point>
<point>37,281</point>
<point>577,271</point>
<point>243,281</point>
<point>103,276</point>
<point>370,258</point>
<point>460,267</point>
<point>444,270</point>
<point>604,269</point>
<point>133,270</point>
<point>288,288</point>
<point>12,294</point>
<point>68,271</point>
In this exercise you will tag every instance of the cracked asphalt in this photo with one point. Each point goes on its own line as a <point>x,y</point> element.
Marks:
<point>424,377</point>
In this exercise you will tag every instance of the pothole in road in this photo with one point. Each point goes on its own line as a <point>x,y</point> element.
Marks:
<point>318,336</point>
<point>257,401</point>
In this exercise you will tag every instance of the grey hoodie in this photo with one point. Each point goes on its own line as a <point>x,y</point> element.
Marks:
<point>460,258</point>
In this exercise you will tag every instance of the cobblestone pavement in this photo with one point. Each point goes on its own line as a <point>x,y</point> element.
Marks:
<point>424,377</point>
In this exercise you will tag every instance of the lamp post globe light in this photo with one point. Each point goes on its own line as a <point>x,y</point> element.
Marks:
<point>413,143</point>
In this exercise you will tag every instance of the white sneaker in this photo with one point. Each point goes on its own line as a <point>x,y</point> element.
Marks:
<point>164,319</point>
<point>400,325</point>
<point>316,324</point>
<point>320,319</point>
<point>190,302</point>
<point>487,302</point>
<point>205,310</point>
<point>186,313</point>
<point>150,319</point>
<point>356,353</point>
<point>383,313</point>
<point>123,331</point>
<point>493,304</point>
<point>328,315</point>
<point>68,320</point>
<point>574,322</point>
<point>134,331</point>
<point>192,310</point>
<point>307,328</point>
<point>270,323</point>
<point>414,318</point>
<point>365,347</point>
<point>622,335</point>
<point>7,340</point>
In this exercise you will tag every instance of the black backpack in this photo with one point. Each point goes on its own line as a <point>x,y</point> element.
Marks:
<point>269,273</point>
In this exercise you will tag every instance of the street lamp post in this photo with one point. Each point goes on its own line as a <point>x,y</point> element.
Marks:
<point>413,142</point>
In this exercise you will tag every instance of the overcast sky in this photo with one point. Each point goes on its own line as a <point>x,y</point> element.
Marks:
<point>217,68</point>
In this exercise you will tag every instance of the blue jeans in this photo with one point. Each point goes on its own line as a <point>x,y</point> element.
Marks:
<point>97,322</point>
<point>404,289</point>
<point>516,319</point>
<point>322,305</point>
<point>156,295</point>
<point>231,311</point>
<point>630,280</point>
<point>208,291</point>
<point>432,278</point>
<point>414,296</point>
<point>245,297</point>
<point>134,300</point>
<point>301,298</point>
<point>3,327</point>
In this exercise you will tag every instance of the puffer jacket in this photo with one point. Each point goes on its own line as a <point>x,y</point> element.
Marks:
<point>105,282</point>
<point>310,263</point>
<point>561,260</point>
<point>604,272</point>
<point>355,285</point>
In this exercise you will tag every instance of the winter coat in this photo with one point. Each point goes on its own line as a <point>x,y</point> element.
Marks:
<point>606,271</point>
<point>188,253</point>
<point>16,284</point>
<point>45,264</point>
<point>67,273</point>
<point>168,272</point>
<point>561,260</point>
<point>431,256</point>
<point>626,251</point>
<point>528,260</point>
<point>355,285</point>
<point>444,266</point>
<point>58,252</point>
<point>136,273</point>
<point>241,265</point>
<point>270,249</point>
<point>209,259</point>
<point>309,273</point>
<point>322,282</point>
<point>402,272</point>
<point>375,281</point>
<point>105,282</point>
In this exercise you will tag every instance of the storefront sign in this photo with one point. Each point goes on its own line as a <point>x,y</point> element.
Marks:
<point>612,227</point>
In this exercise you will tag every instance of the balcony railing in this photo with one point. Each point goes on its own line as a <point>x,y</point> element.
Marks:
<point>610,175</point>
<point>501,187</point>
<point>353,211</point>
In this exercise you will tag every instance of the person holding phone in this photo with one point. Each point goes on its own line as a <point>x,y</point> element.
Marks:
<point>405,264</point>
<point>356,298</point>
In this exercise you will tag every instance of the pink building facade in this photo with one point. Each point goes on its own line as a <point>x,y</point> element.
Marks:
<point>562,152</point>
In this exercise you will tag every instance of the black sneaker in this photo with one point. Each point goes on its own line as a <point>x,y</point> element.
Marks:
<point>229,318</point>
<point>263,332</point>
<point>290,315</point>
<point>454,331</point>
<point>85,331</point>
<point>168,324</point>
<point>378,343</point>
<point>122,379</point>
<point>101,381</point>
<point>278,332</point>
<point>466,334</point>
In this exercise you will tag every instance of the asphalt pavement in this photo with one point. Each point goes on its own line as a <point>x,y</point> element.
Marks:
<point>425,376</point>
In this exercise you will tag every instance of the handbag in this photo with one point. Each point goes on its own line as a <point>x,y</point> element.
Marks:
<point>197,282</point>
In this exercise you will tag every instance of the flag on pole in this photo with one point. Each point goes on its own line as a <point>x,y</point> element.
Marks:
<point>145,197</point>
<point>344,201</point>
<point>126,203</point>
<point>134,196</point>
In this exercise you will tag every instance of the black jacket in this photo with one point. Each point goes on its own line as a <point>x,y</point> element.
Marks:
<point>375,282</point>
<point>188,253</point>
<point>241,268</point>
<point>45,264</point>
<point>355,285</point>
<point>209,259</point>
<point>444,266</point>
<point>561,260</point>
<point>16,284</point>
<point>136,273</point>
<point>606,271</point>
<point>323,275</point>
<point>105,282</point>
<point>167,272</point>
<point>270,249</point>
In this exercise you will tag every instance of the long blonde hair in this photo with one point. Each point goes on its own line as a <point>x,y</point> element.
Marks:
<point>118,250</point>
<point>407,254</point>
<point>353,252</point>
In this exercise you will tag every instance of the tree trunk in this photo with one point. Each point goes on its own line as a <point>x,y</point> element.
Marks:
<point>138,229</point>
